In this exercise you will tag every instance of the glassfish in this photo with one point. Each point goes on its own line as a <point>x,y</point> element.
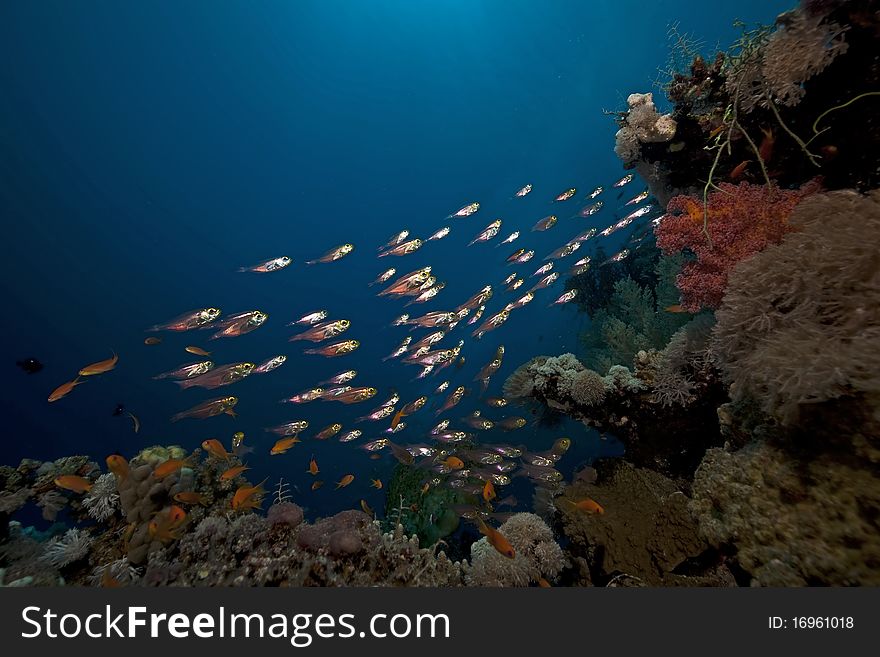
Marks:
<point>311,318</point>
<point>191,320</point>
<point>440,234</point>
<point>341,377</point>
<point>289,428</point>
<point>617,257</point>
<point>493,322</point>
<point>487,233</point>
<point>208,409</point>
<point>323,331</point>
<point>220,376</point>
<point>465,211</point>
<point>547,281</point>
<point>510,238</point>
<point>335,349</point>
<point>333,254</point>
<point>596,192</point>
<point>403,249</point>
<point>590,210</point>
<point>623,181</point>
<point>638,198</point>
<point>543,269</point>
<point>452,400</point>
<point>328,431</point>
<point>546,223</point>
<point>383,277</point>
<point>269,265</point>
<point>394,240</point>
<point>567,194</point>
<point>187,371</point>
<point>269,365</point>
<point>565,297</point>
<point>524,190</point>
<point>306,396</point>
<point>240,324</point>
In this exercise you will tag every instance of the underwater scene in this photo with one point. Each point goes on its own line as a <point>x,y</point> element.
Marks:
<point>447,294</point>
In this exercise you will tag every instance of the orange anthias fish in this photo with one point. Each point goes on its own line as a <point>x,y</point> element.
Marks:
<point>588,505</point>
<point>489,491</point>
<point>118,466</point>
<point>215,448</point>
<point>283,444</point>
<point>64,389</point>
<point>166,526</point>
<point>248,497</point>
<point>167,468</point>
<point>454,463</point>
<point>151,341</point>
<point>100,367</point>
<point>73,483</point>
<point>190,497</point>
<point>317,484</point>
<point>233,472</point>
<point>677,308</point>
<point>345,481</point>
<point>376,483</point>
<point>313,467</point>
<point>198,351</point>
<point>497,540</point>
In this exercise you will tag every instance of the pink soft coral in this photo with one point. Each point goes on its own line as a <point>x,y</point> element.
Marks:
<point>742,220</point>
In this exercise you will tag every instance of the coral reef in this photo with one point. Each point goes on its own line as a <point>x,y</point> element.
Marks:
<point>537,555</point>
<point>646,531</point>
<point>800,323</point>
<point>790,522</point>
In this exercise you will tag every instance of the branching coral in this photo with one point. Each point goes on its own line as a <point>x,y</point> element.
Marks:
<point>71,547</point>
<point>744,219</point>
<point>102,500</point>
<point>537,555</point>
<point>800,322</point>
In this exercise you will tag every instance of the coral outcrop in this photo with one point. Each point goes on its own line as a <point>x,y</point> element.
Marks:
<point>538,556</point>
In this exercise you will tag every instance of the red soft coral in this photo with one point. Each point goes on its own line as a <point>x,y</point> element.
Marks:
<point>742,220</point>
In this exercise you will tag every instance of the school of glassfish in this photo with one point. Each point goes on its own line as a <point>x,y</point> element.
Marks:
<point>454,454</point>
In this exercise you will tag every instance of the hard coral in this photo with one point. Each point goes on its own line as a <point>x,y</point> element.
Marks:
<point>642,124</point>
<point>800,323</point>
<point>742,220</point>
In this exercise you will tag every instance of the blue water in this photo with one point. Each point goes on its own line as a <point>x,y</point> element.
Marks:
<point>147,150</point>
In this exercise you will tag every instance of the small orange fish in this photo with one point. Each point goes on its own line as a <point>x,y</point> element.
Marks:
<point>497,540</point>
<point>317,484</point>
<point>73,483</point>
<point>118,466</point>
<point>489,491</point>
<point>198,351</point>
<point>152,340</point>
<point>64,389</point>
<point>345,481</point>
<point>454,463</point>
<point>168,467</point>
<point>284,444</point>
<point>376,483</point>
<point>215,448</point>
<point>233,472</point>
<point>739,170</point>
<point>190,497</point>
<point>100,367</point>
<point>375,457</point>
<point>313,467</point>
<point>426,487</point>
<point>248,497</point>
<point>166,525</point>
<point>588,505</point>
<point>544,584</point>
<point>677,308</point>
<point>366,509</point>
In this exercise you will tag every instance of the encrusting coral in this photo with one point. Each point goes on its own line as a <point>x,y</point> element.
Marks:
<point>537,555</point>
<point>791,522</point>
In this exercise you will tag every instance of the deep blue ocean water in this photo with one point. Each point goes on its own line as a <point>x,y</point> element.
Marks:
<point>147,150</point>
